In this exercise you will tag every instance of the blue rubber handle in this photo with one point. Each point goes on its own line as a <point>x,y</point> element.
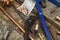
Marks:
<point>42,19</point>
<point>40,0</point>
<point>55,2</point>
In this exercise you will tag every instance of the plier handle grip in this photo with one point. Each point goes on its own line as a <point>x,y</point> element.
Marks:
<point>55,2</point>
<point>42,19</point>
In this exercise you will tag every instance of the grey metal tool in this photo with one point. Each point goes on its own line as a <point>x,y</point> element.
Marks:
<point>43,3</point>
<point>30,21</point>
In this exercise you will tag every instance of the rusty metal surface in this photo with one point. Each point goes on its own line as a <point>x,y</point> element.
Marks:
<point>51,16</point>
<point>15,33</point>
